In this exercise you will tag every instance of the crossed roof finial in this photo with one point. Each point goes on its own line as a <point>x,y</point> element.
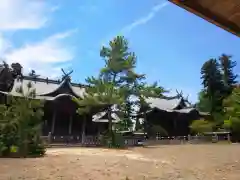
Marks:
<point>66,75</point>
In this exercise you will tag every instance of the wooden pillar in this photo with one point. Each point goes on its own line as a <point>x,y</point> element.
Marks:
<point>176,130</point>
<point>70,125</point>
<point>99,129</point>
<point>228,137</point>
<point>175,124</point>
<point>53,121</point>
<point>145,128</point>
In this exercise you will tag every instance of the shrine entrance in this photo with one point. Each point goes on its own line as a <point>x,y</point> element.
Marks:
<point>64,116</point>
<point>62,120</point>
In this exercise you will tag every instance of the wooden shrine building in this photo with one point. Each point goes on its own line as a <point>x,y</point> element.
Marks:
<point>60,117</point>
<point>223,13</point>
<point>173,114</point>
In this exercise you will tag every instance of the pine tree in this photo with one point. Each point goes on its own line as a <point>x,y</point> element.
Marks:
<point>20,124</point>
<point>130,88</point>
<point>83,110</point>
<point>213,85</point>
<point>112,87</point>
<point>203,104</point>
<point>229,78</point>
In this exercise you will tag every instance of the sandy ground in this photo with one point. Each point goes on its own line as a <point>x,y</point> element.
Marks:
<point>173,162</point>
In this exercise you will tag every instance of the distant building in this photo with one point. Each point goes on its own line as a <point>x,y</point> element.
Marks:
<point>60,117</point>
<point>173,114</point>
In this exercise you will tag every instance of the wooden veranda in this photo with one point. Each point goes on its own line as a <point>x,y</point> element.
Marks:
<point>223,13</point>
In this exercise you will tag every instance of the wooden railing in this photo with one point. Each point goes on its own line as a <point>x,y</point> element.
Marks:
<point>93,141</point>
<point>74,140</point>
<point>52,140</point>
<point>187,140</point>
<point>133,141</point>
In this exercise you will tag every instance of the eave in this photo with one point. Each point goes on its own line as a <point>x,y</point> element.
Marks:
<point>222,13</point>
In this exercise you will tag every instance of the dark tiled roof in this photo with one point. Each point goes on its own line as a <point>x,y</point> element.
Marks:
<point>171,105</point>
<point>163,103</point>
<point>43,87</point>
<point>1,69</point>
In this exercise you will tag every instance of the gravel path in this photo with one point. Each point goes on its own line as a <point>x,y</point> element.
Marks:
<point>173,162</point>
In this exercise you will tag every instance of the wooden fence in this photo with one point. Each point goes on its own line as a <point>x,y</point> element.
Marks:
<point>94,141</point>
<point>187,140</point>
<point>89,141</point>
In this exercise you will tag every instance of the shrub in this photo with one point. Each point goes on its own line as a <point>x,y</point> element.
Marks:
<point>3,149</point>
<point>20,127</point>
<point>201,126</point>
<point>116,140</point>
<point>119,140</point>
<point>36,149</point>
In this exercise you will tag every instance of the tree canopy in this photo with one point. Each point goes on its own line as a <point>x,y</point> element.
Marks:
<point>219,93</point>
<point>20,126</point>
<point>118,82</point>
<point>232,109</point>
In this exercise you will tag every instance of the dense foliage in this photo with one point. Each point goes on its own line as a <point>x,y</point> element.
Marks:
<point>204,104</point>
<point>213,84</point>
<point>8,74</point>
<point>201,126</point>
<point>232,113</point>
<point>20,126</point>
<point>229,78</point>
<point>118,84</point>
<point>111,87</point>
<point>219,94</point>
<point>218,80</point>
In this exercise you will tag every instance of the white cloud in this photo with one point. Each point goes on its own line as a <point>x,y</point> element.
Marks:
<point>23,14</point>
<point>145,19</point>
<point>140,21</point>
<point>43,56</point>
<point>4,44</point>
<point>55,8</point>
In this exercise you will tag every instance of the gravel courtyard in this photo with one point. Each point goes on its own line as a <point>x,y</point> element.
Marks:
<point>172,162</point>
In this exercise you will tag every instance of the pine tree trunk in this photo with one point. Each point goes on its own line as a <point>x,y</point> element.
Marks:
<point>145,123</point>
<point>83,129</point>
<point>137,124</point>
<point>110,124</point>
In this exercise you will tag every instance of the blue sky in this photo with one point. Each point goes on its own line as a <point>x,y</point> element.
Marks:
<point>170,43</point>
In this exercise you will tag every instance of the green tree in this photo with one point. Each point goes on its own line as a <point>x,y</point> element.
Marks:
<point>121,62</point>
<point>8,74</point>
<point>20,124</point>
<point>203,104</point>
<point>229,77</point>
<point>201,126</point>
<point>108,88</point>
<point>213,85</point>
<point>129,87</point>
<point>232,112</point>
<point>83,110</point>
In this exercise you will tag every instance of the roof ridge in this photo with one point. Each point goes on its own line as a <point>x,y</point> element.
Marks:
<point>167,97</point>
<point>46,80</point>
